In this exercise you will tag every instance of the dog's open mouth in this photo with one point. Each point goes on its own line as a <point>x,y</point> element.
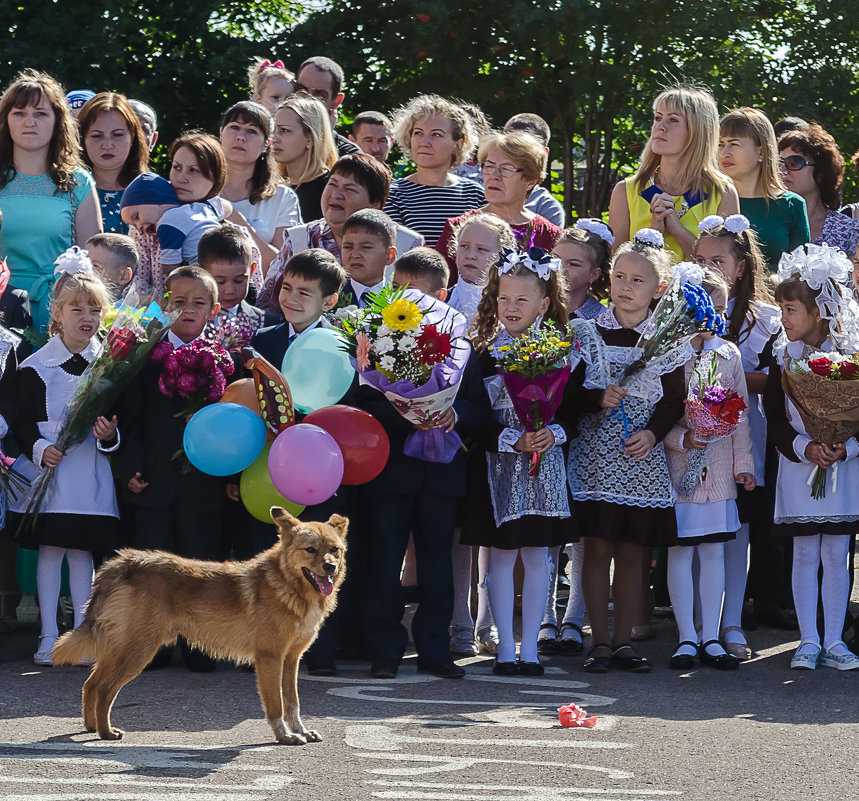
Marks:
<point>324,584</point>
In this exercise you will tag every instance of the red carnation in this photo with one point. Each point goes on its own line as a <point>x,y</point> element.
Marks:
<point>433,346</point>
<point>821,366</point>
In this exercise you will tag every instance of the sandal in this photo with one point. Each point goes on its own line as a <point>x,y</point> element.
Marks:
<point>548,645</point>
<point>570,645</point>
<point>598,664</point>
<point>740,650</point>
<point>487,639</point>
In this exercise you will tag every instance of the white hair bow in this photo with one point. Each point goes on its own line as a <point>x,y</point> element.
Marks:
<point>74,260</point>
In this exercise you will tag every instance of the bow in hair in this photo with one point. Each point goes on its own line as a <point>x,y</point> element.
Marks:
<point>266,64</point>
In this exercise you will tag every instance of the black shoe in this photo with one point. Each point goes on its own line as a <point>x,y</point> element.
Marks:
<point>505,668</point>
<point>684,661</point>
<point>777,618</point>
<point>597,664</point>
<point>443,668</point>
<point>630,664</point>
<point>531,668</point>
<point>720,661</point>
<point>384,669</point>
<point>548,646</point>
<point>320,667</point>
<point>567,646</point>
<point>163,657</point>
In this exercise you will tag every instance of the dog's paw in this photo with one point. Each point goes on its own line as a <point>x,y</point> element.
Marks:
<point>286,737</point>
<point>111,734</point>
<point>312,736</point>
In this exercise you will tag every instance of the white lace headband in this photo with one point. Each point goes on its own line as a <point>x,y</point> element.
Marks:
<point>597,227</point>
<point>735,223</point>
<point>535,259</point>
<point>650,237</point>
<point>74,260</point>
<point>828,270</point>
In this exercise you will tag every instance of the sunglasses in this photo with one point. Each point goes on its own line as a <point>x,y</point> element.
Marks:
<point>794,163</point>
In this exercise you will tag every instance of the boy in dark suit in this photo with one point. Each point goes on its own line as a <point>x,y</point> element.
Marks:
<point>173,510</point>
<point>367,248</point>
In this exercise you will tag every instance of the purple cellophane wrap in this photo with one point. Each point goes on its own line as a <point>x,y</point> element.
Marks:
<point>428,401</point>
<point>546,390</point>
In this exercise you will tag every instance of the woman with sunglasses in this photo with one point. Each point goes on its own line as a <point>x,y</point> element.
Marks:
<point>512,165</point>
<point>812,166</point>
<point>748,154</point>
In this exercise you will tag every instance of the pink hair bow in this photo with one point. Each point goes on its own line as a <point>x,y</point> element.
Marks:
<point>266,63</point>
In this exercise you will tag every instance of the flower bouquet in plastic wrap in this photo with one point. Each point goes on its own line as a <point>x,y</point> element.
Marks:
<point>713,412</point>
<point>824,387</point>
<point>136,327</point>
<point>412,348</point>
<point>535,370</point>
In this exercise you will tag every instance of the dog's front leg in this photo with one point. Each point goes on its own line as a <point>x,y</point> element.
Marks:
<point>290,696</point>
<point>269,669</point>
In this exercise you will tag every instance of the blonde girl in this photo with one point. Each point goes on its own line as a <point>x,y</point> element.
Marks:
<point>678,182</point>
<point>617,472</point>
<point>79,516</point>
<point>512,513</point>
<point>271,83</point>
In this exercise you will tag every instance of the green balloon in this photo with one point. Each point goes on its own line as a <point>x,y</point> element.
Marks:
<point>258,492</point>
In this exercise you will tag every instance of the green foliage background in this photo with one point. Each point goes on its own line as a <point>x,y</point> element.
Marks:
<point>591,68</point>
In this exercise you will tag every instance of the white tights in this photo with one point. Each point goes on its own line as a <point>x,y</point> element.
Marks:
<point>499,582</point>
<point>461,556</point>
<point>575,612</point>
<point>711,589</point>
<point>48,576</point>
<point>736,573</point>
<point>808,554</point>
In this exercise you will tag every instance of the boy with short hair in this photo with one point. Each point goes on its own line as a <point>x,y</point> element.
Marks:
<point>114,257</point>
<point>173,509</point>
<point>424,269</point>
<point>226,253</point>
<point>368,246</point>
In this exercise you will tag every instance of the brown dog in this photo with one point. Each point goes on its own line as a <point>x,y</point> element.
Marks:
<point>266,610</point>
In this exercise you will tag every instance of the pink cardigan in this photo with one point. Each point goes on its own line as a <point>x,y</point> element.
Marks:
<point>729,456</point>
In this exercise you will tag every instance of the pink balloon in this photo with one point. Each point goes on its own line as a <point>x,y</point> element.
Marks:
<point>305,464</point>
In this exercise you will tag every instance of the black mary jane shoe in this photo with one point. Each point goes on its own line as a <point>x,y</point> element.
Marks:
<point>720,661</point>
<point>684,661</point>
<point>505,668</point>
<point>629,664</point>
<point>597,664</point>
<point>531,668</point>
<point>548,645</point>
<point>568,646</point>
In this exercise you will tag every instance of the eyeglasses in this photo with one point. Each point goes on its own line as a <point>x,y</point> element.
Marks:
<point>794,163</point>
<point>505,172</point>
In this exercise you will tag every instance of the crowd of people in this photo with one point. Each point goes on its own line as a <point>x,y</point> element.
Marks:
<point>268,227</point>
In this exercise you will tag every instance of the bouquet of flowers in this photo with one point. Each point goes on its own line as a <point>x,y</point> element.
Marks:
<point>231,331</point>
<point>713,412</point>
<point>134,331</point>
<point>412,348</point>
<point>196,373</point>
<point>824,387</point>
<point>534,370</point>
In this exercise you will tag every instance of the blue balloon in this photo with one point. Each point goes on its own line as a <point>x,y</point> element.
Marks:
<point>317,370</point>
<point>224,438</point>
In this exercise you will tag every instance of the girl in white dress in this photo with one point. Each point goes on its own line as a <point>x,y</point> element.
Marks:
<point>79,515</point>
<point>818,314</point>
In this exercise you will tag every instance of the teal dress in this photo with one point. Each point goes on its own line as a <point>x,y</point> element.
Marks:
<point>781,224</point>
<point>38,225</point>
<point>111,217</point>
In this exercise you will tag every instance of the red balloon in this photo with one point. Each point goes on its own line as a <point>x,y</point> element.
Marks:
<point>361,437</point>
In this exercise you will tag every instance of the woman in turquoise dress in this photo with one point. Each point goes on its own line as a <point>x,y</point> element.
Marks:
<point>47,199</point>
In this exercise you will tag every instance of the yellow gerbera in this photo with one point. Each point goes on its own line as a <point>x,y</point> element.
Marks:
<point>401,315</point>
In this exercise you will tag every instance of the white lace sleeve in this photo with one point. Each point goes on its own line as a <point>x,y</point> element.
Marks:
<point>507,440</point>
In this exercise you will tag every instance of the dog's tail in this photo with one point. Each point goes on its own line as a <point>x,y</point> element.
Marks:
<point>74,646</point>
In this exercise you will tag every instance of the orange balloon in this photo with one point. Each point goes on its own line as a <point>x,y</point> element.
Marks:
<point>242,392</point>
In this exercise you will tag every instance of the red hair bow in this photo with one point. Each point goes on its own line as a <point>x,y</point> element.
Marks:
<point>266,63</point>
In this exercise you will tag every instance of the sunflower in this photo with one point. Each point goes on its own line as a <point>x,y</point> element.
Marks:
<point>402,315</point>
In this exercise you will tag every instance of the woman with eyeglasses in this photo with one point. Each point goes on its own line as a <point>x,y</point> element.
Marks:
<point>512,165</point>
<point>812,166</point>
<point>748,154</point>
<point>436,134</point>
<point>678,181</point>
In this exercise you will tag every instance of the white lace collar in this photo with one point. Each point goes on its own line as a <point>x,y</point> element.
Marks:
<point>54,352</point>
<point>720,346</point>
<point>607,320</point>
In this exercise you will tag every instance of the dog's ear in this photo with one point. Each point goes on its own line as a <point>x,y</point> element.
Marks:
<point>340,523</point>
<point>284,521</point>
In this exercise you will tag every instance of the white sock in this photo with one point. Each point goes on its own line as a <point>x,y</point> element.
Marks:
<point>534,589</point>
<point>736,573</point>
<point>575,612</point>
<point>711,589</point>
<point>48,577</point>
<point>80,580</point>
<point>681,590</point>
<point>461,561</point>
<point>484,611</point>
<point>806,561</point>
<point>499,584</point>
<point>835,591</point>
